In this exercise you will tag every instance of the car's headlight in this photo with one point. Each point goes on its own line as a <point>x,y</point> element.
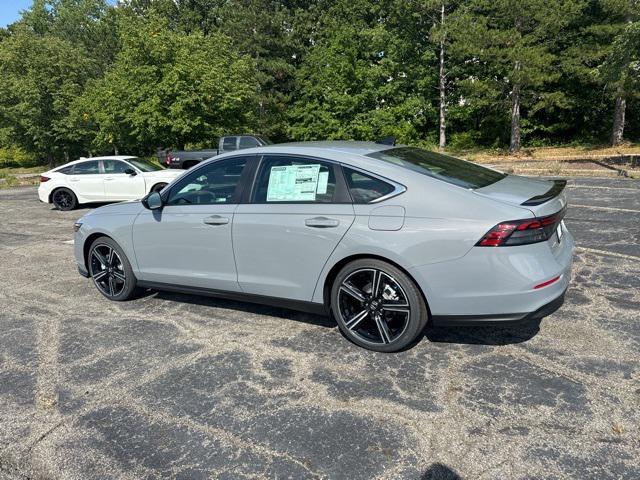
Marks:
<point>76,226</point>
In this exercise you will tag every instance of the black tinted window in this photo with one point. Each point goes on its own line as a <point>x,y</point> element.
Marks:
<point>443,167</point>
<point>114,166</point>
<point>292,179</point>
<point>248,142</point>
<point>65,170</point>
<point>216,182</point>
<point>229,143</point>
<point>364,188</point>
<point>86,168</point>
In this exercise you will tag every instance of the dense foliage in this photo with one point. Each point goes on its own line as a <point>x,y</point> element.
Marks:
<point>82,76</point>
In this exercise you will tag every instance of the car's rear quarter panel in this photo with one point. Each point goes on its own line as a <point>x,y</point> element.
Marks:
<point>441,223</point>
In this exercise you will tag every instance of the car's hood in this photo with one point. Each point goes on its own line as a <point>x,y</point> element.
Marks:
<point>129,207</point>
<point>542,197</point>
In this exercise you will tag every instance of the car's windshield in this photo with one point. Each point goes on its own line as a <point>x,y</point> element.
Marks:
<point>144,165</point>
<point>443,167</point>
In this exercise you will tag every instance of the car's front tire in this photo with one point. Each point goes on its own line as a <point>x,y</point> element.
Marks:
<point>157,187</point>
<point>110,270</point>
<point>64,199</point>
<point>378,306</point>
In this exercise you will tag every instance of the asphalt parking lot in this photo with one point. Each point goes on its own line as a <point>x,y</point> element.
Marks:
<point>187,387</point>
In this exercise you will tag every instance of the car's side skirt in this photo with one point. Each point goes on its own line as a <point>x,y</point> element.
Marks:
<point>299,305</point>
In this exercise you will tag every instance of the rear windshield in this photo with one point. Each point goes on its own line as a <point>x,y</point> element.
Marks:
<point>443,167</point>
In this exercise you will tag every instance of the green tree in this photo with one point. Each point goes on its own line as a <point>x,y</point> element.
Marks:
<point>40,75</point>
<point>620,69</point>
<point>513,44</point>
<point>367,75</point>
<point>167,88</point>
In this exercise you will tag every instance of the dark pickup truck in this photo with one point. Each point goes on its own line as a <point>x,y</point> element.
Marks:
<point>228,143</point>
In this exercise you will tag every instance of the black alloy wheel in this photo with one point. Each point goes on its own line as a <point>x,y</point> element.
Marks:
<point>378,306</point>
<point>64,199</point>
<point>110,270</point>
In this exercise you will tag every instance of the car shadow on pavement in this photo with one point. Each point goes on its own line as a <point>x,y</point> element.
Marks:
<point>246,307</point>
<point>486,335</point>
<point>439,471</point>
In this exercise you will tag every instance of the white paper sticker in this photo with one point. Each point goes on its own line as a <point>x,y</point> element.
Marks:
<point>293,183</point>
<point>323,180</point>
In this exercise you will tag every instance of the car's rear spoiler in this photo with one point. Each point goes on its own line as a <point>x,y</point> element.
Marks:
<point>558,186</point>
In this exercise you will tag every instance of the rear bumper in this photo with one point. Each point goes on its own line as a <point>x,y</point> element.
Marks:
<point>43,194</point>
<point>501,319</point>
<point>497,284</point>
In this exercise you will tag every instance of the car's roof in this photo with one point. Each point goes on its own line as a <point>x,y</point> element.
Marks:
<point>351,147</point>
<point>106,157</point>
<point>89,159</point>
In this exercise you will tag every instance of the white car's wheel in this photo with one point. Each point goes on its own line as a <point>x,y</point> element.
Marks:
<point>64,199</point>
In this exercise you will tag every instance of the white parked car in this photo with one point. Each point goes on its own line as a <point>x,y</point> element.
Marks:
<point>102,179</point>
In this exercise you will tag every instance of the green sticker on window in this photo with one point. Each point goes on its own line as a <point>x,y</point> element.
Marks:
<point>293,183</point>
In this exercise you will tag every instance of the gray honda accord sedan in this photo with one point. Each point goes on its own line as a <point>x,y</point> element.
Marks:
<point>385,238</point>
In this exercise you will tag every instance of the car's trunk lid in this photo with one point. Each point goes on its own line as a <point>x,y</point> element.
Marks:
<point>541,197</point>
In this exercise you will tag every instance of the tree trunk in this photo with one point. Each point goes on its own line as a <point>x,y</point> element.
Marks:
<point>514,145</point>
<point>50,159</point>
<point>115,150</point>
<point>618,121</point>
<point>442,86</point>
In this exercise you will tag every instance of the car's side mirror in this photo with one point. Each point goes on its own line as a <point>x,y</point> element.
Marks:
<point>131,171</point>
<point>153,201</point>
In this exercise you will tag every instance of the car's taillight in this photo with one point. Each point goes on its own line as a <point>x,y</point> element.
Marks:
<point>521,232</point>
<point>44,179</point>
<point>168,160</point>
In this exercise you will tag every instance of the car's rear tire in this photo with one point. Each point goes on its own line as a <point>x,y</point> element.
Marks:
<point>157,187</point>
<point>388,319</point>
<point>64,199</point>
<point>110,270</point>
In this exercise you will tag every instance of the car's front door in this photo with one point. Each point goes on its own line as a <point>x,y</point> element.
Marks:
<point>299,212</point>
<point>86,180</point>
<point>120,185</point>
<point>188,241</point>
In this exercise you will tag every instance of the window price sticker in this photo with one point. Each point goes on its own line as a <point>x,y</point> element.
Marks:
<point>293,183</point>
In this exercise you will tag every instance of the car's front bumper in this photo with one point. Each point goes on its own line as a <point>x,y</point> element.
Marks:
<point>82,270</point>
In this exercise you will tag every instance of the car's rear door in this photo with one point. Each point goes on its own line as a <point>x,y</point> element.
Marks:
<point>298,212</point>
<point>188,241</point>
<point>87,181</point>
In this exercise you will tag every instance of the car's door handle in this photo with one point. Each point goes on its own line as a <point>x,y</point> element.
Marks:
<point>216,220</point>
<point>74,179</point>
<point>321,222</point>
<point>108,178</point>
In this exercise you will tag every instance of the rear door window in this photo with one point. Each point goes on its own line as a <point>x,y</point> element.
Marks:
<point>365,188</point>
<point>87,168</point>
